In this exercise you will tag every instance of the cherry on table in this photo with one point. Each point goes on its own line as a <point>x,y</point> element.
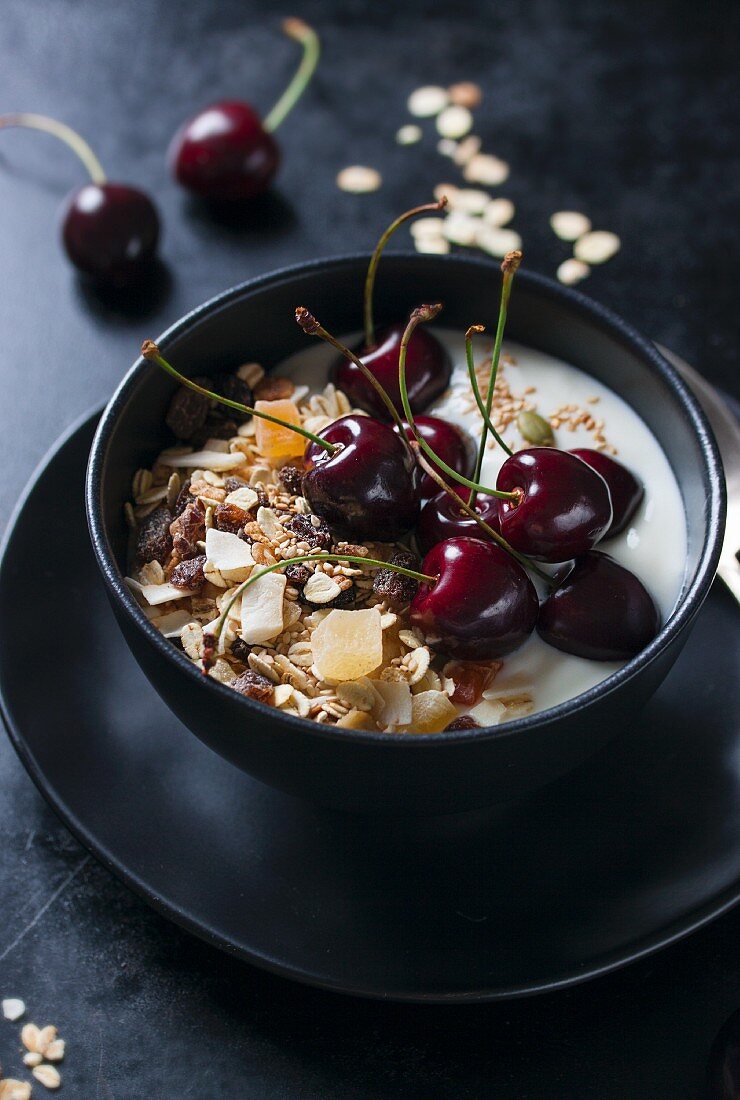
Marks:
<point>441,518</point>
<point>482,605</point>
<point>564,506</point>
<point>625,488</point>
<point>226,152</point>
<point>451,443</point>
<point>110,231</point>
<point>600,611</point>
<point>366,488</point>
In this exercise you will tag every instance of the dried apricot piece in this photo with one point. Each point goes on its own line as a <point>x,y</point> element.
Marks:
<point>274,441</point>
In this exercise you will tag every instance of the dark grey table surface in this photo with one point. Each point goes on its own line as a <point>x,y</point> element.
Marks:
<point>622,110</point>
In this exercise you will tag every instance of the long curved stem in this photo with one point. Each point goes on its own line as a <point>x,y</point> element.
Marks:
<point>64,133</point>
<point>470,511</point>
<point>488,423</point>
<point>509,269</point>
<point>308,38</point>
<point>311,327</point>
<point>422,578</point>
<point>429,207</point>
<point>428,313</point>
<point>150,351</point>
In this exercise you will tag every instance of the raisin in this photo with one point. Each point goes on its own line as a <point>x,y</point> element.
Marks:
<point>214,429</point>
<point>241,650</point>
<point>228,517</point>
<point>292,479</point>
<point>184,497</point>
<point>471,678</point>
<point>464,722</point>
<point>229,385</point>
<point>305,530</point>
<point>188,529</point>
<point>396,589</point>
<point>298,574</point>
<point>263,501</point>
<point>345,599</point>
<point>255,686</point>
<point>233,483</point>
<point>188,410</point>
<point>189,574</point>
<point>154,542</point>
<point>273,389</point>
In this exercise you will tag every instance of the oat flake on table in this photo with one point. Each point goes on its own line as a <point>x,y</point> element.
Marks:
<point>357,179</point>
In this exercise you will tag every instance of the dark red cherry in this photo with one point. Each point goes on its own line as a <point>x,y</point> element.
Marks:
<point>724,1061</point>
<point>110,231</point>
<point>451,443</point>
<point>428,370</point>
<point>367,488</point>
<point>625,488</point>
<point>440,518</point>
<point>601,611</point>
<point>483,604</point>
<point>224,153</point>
<point>564,508</point>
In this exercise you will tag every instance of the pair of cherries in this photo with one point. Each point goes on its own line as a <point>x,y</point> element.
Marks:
<point>110,231</point>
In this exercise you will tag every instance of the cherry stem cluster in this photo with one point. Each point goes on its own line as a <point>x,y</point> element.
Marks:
<point>64,133</point>
<point>300,32</point>
<point>150,351</point>
<point>427,208</point>
<point>487,422</point>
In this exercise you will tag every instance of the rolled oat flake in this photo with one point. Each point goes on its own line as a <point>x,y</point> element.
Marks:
<point>569,225</point>
<point>427,101</point>
<point>454,122</point>
<point>597,247</point>
<point>359,180</point>
<point>572,271</point>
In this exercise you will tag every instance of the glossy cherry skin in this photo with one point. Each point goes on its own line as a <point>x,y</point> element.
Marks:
<point>625,489</point>
<point>366,489</point>
<point>440,518</point>
<point>601,611</point>
<point>224,153</point>
<point>565,507</point>
<point>724,1061</point>
<point>428,370</point>
<point>451,443</point>
<point>483,604</point>
<point>110,231</point>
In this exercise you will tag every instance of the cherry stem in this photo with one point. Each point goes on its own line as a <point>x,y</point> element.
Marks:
<point>428,313</point>
<point>422,578</point>
<point>427,208</point>
<point>65,133</point>
<point>308,38</point>
<point>150,351</point>
<point>470,510</point>
<point>488,423</point>
<point>311,327</point>
<point>509,268</point>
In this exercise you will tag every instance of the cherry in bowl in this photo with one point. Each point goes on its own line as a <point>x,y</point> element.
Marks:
<point>451,443</point>
<point>625,488</point>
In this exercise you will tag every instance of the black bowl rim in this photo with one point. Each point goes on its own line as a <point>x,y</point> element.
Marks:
<point>689,601</point>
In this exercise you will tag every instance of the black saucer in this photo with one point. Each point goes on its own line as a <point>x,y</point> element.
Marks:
<point>637,848</point>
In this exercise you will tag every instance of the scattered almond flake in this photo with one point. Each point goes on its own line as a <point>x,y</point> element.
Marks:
<point>454,122</point>
<point>498,241</point>
<point>156,594</point>
<point>569,225</point>
<point>432,246</point>
<point>469,200</point>
<point>485,168</point>
<point>466,150</point>
<point>427,101</point>
<point>11,1089</point>
<point>209,460</point>
<point>358,179</point>
<point>461,228</point>
<point>498,212</point>
<point>13,1008</point>
<point>409,135</point>
<point>33,1058</point>
<point>48,1076</point>
<point>262,609</point>
<point>572,271</point>
<point>597,247</point>
<point>55,1051</point>
<point>446,147</point>
<point>465,94</point>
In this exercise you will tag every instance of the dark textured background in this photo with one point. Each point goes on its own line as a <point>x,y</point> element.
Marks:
<point>622,110</point>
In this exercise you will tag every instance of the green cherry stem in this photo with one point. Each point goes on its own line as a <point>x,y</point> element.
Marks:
<point>509,268</point>
<point>311,327</point>
<point>375,563</point>
<point>64,133</point>
<point>427,208</point>
<point>428,313</point>
<point>307,37</point>
<point>150,351</point>
<point>470,511</point>
<point>488,423</point>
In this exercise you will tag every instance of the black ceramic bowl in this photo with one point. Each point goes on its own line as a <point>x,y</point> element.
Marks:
<point>376,772</point>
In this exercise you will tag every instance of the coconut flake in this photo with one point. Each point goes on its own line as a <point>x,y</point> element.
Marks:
<point>155,594</point>
<point>262,609</point>
<point>229,554</point>
<point>206,460</point>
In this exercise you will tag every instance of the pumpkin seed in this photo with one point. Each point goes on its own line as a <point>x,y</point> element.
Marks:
<point>535,428</point>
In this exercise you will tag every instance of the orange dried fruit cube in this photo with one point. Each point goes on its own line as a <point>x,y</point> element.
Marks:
<point>273,440</point>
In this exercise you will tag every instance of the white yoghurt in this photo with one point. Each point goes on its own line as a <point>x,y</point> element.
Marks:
<point>653,546</point>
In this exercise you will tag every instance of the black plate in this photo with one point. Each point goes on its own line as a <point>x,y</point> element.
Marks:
<point>636,848</point>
